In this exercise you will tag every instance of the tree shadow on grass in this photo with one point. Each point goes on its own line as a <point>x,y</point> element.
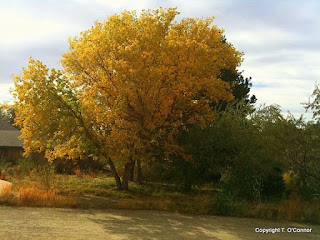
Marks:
<point>144,224</point>
<point>161,225</point>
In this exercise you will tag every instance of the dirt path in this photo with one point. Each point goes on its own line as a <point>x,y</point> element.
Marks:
<point>50,223</point>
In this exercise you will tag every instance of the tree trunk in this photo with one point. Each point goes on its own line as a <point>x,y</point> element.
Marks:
<point>115,174</point>
<point>126,174</point>
<point>132,171</point>
<point>139,173</point>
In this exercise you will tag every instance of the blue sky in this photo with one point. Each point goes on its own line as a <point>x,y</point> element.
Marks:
<point>280,39</point>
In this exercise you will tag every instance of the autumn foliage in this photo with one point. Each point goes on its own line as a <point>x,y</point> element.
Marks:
<point>128,86</point>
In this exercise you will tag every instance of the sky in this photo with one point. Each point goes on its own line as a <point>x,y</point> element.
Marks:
<point>280,38</point>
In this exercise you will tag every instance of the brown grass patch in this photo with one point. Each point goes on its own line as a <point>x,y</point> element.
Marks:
<point>36,197</point>
<point>289,210</point>
<point>6,190</point>
<point>78,172</point>
<point>297,210</point>
<point>7,196</point>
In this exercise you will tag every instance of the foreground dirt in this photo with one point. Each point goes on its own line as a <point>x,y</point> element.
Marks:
<point>54,223</point>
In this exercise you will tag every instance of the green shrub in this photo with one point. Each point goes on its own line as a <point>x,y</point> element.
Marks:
<point>25,166</point>
<point>273,186</point>
<point>47,174</point>
<point>243,182</point>
<point>6,167</point>
<point>226,205</point>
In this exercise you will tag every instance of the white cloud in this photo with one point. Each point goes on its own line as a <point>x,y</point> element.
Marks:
<point>20,26</point>
<point>4,92</point>
<point>259,36</point>
<point>279,39</point>
<point>128,4</point>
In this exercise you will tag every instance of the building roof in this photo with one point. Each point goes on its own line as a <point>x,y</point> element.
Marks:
<point>4,125</point>
<point>10,138</point>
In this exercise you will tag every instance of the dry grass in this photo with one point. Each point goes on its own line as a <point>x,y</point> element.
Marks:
<point>93,174</point>
<point>78,172</point>
<point>36,197</point>
<point>6,194</point>
<point>30,191</point>
<point>6,190</point>
<point>146,203</point>
<point>289,210</point>
<point>3,175</point>
<point>297,210</point>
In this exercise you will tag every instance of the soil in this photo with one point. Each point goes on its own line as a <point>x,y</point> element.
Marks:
<point>58,223</point>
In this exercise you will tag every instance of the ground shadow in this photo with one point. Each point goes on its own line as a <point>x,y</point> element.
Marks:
<point>131,224</point>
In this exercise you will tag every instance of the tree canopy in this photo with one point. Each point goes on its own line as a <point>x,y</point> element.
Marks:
<point>128,85</point>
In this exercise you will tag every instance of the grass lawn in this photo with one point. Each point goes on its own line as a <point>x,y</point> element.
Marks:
<point>99,191</point>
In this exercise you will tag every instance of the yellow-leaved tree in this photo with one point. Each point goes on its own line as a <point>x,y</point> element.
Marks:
<point>128,86</point>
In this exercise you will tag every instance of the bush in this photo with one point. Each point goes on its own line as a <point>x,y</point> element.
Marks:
<point>273,186</point>
<point>86,165</point>
<point>226,205</point>
<point>243,182</point>
<point>25,166</point>
<point>47,174</point>
<point>5,168</point>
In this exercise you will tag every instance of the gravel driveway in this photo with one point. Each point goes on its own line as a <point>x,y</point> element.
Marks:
<point>55,223</point>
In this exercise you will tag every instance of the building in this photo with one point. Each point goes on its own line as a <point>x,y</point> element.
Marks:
<point>10,145</point>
